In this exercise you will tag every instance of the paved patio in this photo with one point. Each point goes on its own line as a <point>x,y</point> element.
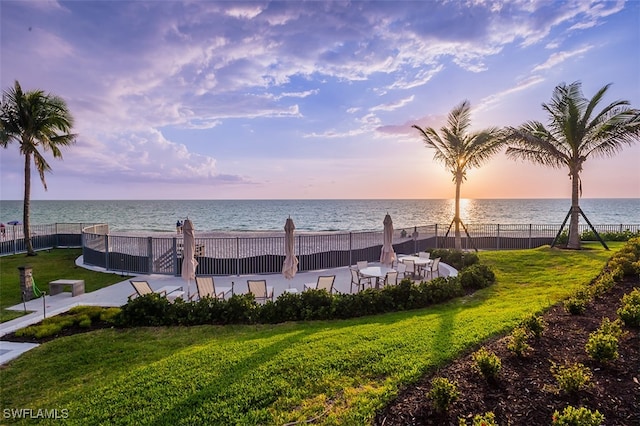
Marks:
<point>117,294</point>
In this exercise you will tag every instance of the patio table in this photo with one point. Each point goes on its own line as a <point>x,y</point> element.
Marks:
<point>420,262</point>
<point>376,272</point>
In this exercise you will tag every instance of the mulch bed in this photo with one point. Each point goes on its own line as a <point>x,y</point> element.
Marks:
<point>67,331</point>
<point>524,392</point>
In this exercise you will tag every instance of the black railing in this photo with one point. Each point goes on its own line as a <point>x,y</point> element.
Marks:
<point>265,254</point>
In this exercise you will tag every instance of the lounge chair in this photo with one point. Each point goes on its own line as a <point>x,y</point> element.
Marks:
<point>260,290</point>
<point>142,288</point>
<point>358,280</point>
<point>323,283</point>
<point>207,288</point>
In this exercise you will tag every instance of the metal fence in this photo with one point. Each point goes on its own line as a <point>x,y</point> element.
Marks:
<point>265,254</point>
<point>42,237</point>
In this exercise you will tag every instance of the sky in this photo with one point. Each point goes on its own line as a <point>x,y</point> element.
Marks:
<point>309,100</point>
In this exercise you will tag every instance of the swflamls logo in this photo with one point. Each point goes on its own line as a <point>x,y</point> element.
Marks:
<point>38,413</point>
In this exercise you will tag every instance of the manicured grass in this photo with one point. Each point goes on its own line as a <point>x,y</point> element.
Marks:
<point>46,266</point>
<point>342,371</point>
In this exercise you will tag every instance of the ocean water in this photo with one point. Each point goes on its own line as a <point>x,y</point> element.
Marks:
<point>314,215</point>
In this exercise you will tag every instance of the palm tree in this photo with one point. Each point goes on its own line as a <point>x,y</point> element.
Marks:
<point>575,132</point>
<point>460,150</point>
<point>38,122</point>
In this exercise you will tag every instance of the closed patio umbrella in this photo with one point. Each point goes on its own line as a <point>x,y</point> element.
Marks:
<point>189,263</point>
<point>387,256</point>
<point>290,265</point>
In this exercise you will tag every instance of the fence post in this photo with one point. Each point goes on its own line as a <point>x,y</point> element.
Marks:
<point>175,256</point>
<point>150,255</point>
<point>15,244</point>
<point>350,248</point>
<point>237,255</point>
<point>498,237</point>
<point>436,235</point>
<point>530,231</point>
<point>106,252</point>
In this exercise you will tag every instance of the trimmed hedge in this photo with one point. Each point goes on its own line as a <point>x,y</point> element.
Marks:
<point>154,310</point>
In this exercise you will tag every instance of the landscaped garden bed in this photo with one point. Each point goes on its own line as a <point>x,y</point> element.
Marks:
<point>525,391</point>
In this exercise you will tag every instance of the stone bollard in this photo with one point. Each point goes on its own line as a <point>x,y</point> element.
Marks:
<point>26,282</point>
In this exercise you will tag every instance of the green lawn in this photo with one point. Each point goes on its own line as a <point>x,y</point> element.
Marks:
<point>46,266</point>
<point>342,371</point>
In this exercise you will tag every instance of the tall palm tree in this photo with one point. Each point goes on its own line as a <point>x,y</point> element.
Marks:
<point>575,132</point>
<point>38,122</point>
<point>461,150</point>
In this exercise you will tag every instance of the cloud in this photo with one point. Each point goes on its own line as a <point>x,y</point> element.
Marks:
<point>498,97</point>
<point>559,57</point>
<point>394,105</point>
<point>133,72</point>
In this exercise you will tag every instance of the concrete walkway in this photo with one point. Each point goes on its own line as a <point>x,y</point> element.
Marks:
<point>117,295</point>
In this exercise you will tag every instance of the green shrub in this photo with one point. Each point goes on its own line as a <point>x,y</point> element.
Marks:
<point>109,314</point>
<point>476,276</point>
<point>611,327</point>
<point>517,343</point>
<point>624,261</point>
<point>456,258</point>
<point>602,347</point>
<point>609,236</point>
<point>441,289</point>
<point>572,378</point>
<point>147,310</point>
<point>534,324</point>
<point>629,311</point>
<point>572,416</point>
<point>240,309</point>
<point>154,310</point>
<point>443,393</point>
<point>93,312</point>
<point>486,419</point>
<point>602,344</point>
<point>603,283</point>
<point>487,363</point>
<point>83,321</point>
<point>577,305</point>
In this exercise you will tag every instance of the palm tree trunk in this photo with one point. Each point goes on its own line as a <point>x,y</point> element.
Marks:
<point>26,210</point>
<point>574,234</point>
<point>456,219</point>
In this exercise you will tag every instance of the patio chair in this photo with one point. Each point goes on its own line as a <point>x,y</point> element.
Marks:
<point>323,283</point>
<point>142,288</point>
<point>358,280</point>
<point>402,269</point>
<point>422,269</point>
<point>435,268</point>
<point>411,267</point>
<point>260,290</point>
<point>207,288</point>
<point>362,264</point>
<point>391,278</point>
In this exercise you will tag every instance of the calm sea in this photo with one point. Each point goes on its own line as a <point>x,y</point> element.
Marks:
<point>314,215</point>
